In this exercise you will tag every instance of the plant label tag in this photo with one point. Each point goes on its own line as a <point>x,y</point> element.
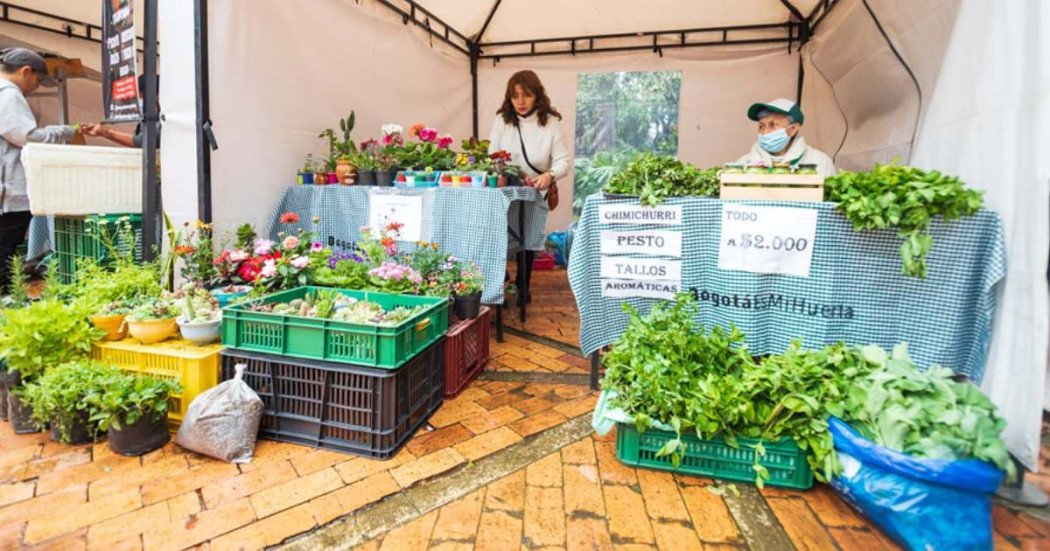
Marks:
<point>402,209</point>
<point>767,240</point>
<point>651,242</point>
<point>626,288</point>
<point>663,215</point>
<point>641,269</point>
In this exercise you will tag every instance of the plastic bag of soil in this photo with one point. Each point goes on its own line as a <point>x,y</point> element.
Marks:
<point>919,503</point>
<point>223,421</point>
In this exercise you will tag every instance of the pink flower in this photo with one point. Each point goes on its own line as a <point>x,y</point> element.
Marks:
<point>300,262</point>
<point>263,246</point>
<point>428,134</point>
<point>387,139</point>
<point>238,255</point>
<point>290,242</point>
<point>316,247</point>
<point>444,142</point>
<point>269,268</point>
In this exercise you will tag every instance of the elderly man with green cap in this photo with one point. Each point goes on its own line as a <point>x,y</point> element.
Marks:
<point>780,138</point>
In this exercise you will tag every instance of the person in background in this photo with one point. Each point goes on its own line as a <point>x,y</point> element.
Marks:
<point>123,138</point>
<point>780,138</point>
<point>22,71</point>
<point>525,127</point>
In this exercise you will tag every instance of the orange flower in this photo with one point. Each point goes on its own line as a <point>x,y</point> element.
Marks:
<point>435,245</point>
<point>394,226</point>
<point>387,242</point>
<point>181,250</point>
<point>414,130</point>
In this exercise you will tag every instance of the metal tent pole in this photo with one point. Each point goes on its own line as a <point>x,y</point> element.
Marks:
<point>151,210</point>
<point>205,137</point>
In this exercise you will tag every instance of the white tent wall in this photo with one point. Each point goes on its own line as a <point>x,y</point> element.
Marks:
<point>985,123</point>
<point>178,95</point>
<point>717,87</point>
<point>280,74</point>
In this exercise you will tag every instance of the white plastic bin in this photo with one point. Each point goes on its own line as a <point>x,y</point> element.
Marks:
<point>72,180</point>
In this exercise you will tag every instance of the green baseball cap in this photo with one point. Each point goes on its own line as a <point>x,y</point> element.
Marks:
<point>779,105</point>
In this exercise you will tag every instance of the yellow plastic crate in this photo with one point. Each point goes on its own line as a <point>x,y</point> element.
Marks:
<point>196,367</point>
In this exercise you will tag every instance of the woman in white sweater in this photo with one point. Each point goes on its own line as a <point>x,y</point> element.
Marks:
<point>525,127</point>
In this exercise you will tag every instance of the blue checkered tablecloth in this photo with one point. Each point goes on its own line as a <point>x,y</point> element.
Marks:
<point>945,319</point>
<point>470,223</point>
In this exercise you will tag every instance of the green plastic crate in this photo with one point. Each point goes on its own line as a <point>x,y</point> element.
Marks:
<point>73,241</point>
<point>784,460</point>
<point>387,347</point>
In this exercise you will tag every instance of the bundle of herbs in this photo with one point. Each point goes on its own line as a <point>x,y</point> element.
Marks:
<point>905,198</point>
<point>666,369</point>
<point>653,178</point>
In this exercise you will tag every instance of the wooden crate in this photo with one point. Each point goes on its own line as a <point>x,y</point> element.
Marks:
<point>773,187</point>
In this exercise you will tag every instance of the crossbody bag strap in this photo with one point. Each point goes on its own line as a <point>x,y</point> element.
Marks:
<point>525,155</point>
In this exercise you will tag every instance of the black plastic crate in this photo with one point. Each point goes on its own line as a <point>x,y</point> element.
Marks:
<point>359,410</point>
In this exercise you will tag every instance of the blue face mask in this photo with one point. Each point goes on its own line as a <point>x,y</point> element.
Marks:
<point>775,141</point>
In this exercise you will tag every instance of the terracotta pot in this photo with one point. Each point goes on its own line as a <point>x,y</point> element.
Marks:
<point>152,331</point>
<point>114,326</point>
<point>342,168</point>
<point>321,178</point>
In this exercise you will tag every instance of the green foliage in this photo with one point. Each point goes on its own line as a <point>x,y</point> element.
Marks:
<point>337,148</point>
<point>125,398</point>
<point>346,274</point>
<point>592,174</point>
<point>635,110</point>
<point>655,177</point>
<point>904,198</point>
<point>57,397</point>
<point>925,413</point>
<point>154,308</point>
<point>246,237</point>
<point>98,286</point>
<point>16,289</point>
<point>45,334</point>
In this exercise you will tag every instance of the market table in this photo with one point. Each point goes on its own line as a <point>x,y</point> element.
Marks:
<point>41,238</point>
<point>482,225</point>
<point>855,291</point>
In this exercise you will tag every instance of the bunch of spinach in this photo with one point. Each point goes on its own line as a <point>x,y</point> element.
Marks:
<point>652,178</point>
<point>925,413</point>
<point>905,198</point>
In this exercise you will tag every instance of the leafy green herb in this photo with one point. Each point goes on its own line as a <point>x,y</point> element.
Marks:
<point>57,397</point>
<point>905,198</point>
<point>653,178</point>
<point>125,398</point>
<point>46,333</point>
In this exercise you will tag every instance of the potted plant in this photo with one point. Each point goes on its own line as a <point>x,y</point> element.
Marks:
<point>385,170</point>
<point>134,410</point>
<point>346,169</point>
<point>201,317</point>
<point>153,321</point>
<point>110,318</point>
<point>467,289</point>
<point>44,334</point>
<point>306,175</point>
<point>57,399</point>
<point>340,152</point>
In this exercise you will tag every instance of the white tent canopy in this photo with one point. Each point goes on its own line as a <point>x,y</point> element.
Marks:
<point>959,82</point>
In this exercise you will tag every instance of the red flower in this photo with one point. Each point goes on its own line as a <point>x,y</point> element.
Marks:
<point>387,242</point>
<point>289,218</point>
<point>394,226</point>
<point>225,256</point>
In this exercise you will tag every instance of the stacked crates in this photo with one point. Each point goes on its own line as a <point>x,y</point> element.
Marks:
<point>77,237</point>
<point>354,388</point>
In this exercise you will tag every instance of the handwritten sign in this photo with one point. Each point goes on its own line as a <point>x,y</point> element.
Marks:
<point>403,209</point>
<point>653,242</point>
<point>664,215</point>
<point>625,288</point>
<point>641,269</point>
<point>767,240</point>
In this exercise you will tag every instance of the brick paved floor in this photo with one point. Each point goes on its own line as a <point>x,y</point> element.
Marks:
<point>552,313</point>
<point>583,498</point>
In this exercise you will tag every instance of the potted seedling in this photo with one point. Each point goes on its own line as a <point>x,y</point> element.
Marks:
<point>306,175</point>
<point>201,317</point>
<point>58,399</point>
<point>110,318</point>
<point>467,289</point>
<point>153,321</point>
<point>385,171</point>
<point>134,410</point>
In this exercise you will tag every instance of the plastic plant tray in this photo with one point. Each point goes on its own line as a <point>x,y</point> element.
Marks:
<point>786,463</point>
<point>386,347</point>
<point>351,409</point>
<point>73,241</point>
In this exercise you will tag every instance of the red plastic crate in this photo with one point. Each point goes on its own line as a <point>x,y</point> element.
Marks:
<point>543,261</point>
<point>466,352</point>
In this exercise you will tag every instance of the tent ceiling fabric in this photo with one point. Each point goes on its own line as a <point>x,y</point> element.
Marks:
<point>539,19</point>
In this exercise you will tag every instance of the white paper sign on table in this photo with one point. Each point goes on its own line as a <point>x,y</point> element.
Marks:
<point>625,288</point>
<point>641,269</point>
<point>767,240</point>
<point>663,215</point>
<point>652,242</point>
<point>403,209</point>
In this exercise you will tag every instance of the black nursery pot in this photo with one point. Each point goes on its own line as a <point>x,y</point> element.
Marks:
<point>140,437</point>
<point>19,414</point>
<point>468,306</point>
<point>385,178</point>
<point>6,381</point>
<point>78,432</point>
<point>366,177</point>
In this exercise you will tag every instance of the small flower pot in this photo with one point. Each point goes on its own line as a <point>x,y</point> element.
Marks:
<point>366,177</point>
<point>385,178</point>
<point>342,169</point>
<point>20,414</point>
<point>468,306</point>
<point>79,431</point>
<point>321,178</point>
<point>333,178</point>
<point>200,333</point>
<point>493,180</point>
<point>224,297</point>
<point>306,178</point>
<point>141,437</point>
<point>513,180</point>
<point>152,331</point>
<point>114,326</point>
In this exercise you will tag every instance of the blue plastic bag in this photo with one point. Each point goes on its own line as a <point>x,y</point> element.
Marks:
<point>556,247</point>
<point>927,504</point>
